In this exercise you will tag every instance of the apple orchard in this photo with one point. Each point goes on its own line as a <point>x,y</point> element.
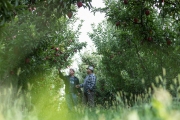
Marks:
<point>136,43</point>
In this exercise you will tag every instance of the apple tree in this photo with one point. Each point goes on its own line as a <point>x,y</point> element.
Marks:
<point>140,36</point>
<point>130,66</point>
<point>9,9</point>
<point>34,46</point>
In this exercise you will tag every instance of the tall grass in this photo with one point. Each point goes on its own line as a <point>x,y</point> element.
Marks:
<point>17,105</point>
<point>14,105</point>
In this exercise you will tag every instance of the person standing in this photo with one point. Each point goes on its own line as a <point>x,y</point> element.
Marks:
<point>89,87</point>
<point>71,92</point>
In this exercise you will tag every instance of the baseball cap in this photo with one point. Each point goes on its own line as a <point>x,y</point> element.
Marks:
<point>90,67</point>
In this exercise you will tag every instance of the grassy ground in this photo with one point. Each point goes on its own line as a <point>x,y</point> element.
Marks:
<point>160,107</point>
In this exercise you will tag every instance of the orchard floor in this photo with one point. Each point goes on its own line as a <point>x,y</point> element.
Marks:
<point>160,107</point>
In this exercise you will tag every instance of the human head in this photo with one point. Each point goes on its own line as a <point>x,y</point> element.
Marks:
<point>71,71</point>
<point>90,69</point>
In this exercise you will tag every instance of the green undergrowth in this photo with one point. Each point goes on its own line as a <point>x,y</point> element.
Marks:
<point>161,107</point>
<point>20,105</point>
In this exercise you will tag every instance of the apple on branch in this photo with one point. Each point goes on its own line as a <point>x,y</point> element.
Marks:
<point>149,39</point>
<point>147,12</point>
<point>79,4</point>
<point>57,49</point>
<point>118,23</point>
<point>135,20</point>
<point>168,42</point>
<point>27,60</point>
<point>75,50</point>
<point>69,14</point>
<point>125,1</point>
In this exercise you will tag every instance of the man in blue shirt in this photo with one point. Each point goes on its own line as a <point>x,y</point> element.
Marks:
<point>71,92</point>
<point>89,86</point>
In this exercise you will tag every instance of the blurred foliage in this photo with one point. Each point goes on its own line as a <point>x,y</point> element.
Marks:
<point>160,106</point>
<point>138,39</point>
<point>34,44</point>
<point>10,8</point>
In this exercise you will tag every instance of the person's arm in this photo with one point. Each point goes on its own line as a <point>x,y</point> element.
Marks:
<point>81,85</point>
<point>64,78</point>
<point>78,89</point>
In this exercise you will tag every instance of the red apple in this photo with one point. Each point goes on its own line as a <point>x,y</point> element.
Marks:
<point>27,60</point>
<point>168,42</point>
<point>56,49</point>
<point>69,14</point>
<point>75,50</point>
<point>135,20</point>
<point>79,4</point>
<point>117,23</point>
<point>147,12</point>
<point>149,39</point>
<point>125,1</point>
